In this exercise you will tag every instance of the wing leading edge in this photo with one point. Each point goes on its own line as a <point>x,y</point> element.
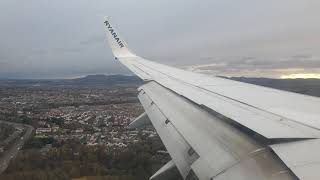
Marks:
<point>257,120</point>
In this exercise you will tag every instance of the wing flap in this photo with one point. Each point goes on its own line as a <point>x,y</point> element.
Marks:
<point>168,171</point>
<point>176,145</point>
<point>141,121</point>
<point>302,157</point>
<point>202,142</point>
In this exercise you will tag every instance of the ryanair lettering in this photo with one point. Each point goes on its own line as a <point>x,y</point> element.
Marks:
<point>114,34</point>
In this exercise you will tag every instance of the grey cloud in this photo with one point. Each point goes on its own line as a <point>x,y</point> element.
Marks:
<point>60,38</point>
<point>258,66</point>
<point>301,56</point>
<point>38,52</point>
<point>3,64</point>
<point>93,40</point>
<point>67,50</point>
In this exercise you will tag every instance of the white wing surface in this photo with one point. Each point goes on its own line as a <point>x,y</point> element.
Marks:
<point>215,128</point>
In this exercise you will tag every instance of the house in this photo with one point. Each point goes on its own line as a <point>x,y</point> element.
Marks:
<point>43,130</point>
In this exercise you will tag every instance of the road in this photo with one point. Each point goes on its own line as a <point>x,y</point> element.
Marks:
<point>14,148</point>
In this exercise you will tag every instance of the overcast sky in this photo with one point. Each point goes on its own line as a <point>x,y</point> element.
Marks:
<point>59,38</point>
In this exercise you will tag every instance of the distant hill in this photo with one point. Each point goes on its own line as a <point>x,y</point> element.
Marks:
<point>303,86</point>
<point>88,81</point>
<point>96,80</point>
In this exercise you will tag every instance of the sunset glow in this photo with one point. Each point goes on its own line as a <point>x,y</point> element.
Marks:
<point>302,76</point>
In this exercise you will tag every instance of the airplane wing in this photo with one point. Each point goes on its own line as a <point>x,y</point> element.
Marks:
<point>219,129</point>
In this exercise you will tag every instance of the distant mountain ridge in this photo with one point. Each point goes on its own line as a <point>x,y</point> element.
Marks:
<point>107,80</point>
<point>99,80</point>
<point>303,86</point>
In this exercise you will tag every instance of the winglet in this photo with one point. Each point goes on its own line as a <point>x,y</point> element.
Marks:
<point>118,46</point>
